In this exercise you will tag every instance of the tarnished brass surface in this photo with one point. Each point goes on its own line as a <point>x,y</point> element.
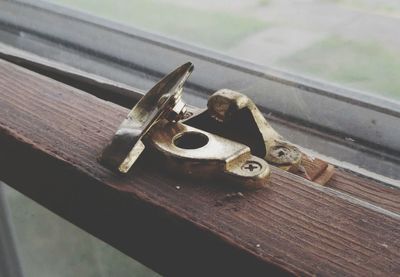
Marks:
<point>191,151</point>
<point>237,112</point>
<point>162,101</point>
<point>230,140</point>
<point>234,116</point>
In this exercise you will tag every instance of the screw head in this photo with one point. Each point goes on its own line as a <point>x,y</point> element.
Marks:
<point>251,166</point>
<point>283,154</point>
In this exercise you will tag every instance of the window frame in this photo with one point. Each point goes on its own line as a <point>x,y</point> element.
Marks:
<point>164,55</point>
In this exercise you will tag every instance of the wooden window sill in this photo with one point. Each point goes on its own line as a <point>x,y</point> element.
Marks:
<point>51,136</point>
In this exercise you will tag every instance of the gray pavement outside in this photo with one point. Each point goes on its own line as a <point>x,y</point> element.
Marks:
<point>352,43</point>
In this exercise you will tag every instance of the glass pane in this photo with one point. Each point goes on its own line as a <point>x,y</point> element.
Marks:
<point>354,43</point>
<point>48,245</point>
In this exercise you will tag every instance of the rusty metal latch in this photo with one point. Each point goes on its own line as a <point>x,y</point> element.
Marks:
<point>230,139</point>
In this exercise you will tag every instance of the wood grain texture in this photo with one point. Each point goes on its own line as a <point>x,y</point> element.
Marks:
<point>51,136</point>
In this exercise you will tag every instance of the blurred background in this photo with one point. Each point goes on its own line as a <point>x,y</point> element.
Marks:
<point>351,43</point>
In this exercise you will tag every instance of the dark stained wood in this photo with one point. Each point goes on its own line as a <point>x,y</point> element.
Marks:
<point>377,194</point>
<point>51,136</point>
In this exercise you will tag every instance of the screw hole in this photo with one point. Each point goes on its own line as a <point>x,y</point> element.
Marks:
<point>190,140</point>
<point>187,115</point>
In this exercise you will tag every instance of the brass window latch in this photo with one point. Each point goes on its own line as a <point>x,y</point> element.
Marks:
<point>230,139</point>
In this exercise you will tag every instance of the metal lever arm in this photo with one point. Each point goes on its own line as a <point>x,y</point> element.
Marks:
<point>162,101</point>
<point>236,117</point>
<point>241,117</point>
